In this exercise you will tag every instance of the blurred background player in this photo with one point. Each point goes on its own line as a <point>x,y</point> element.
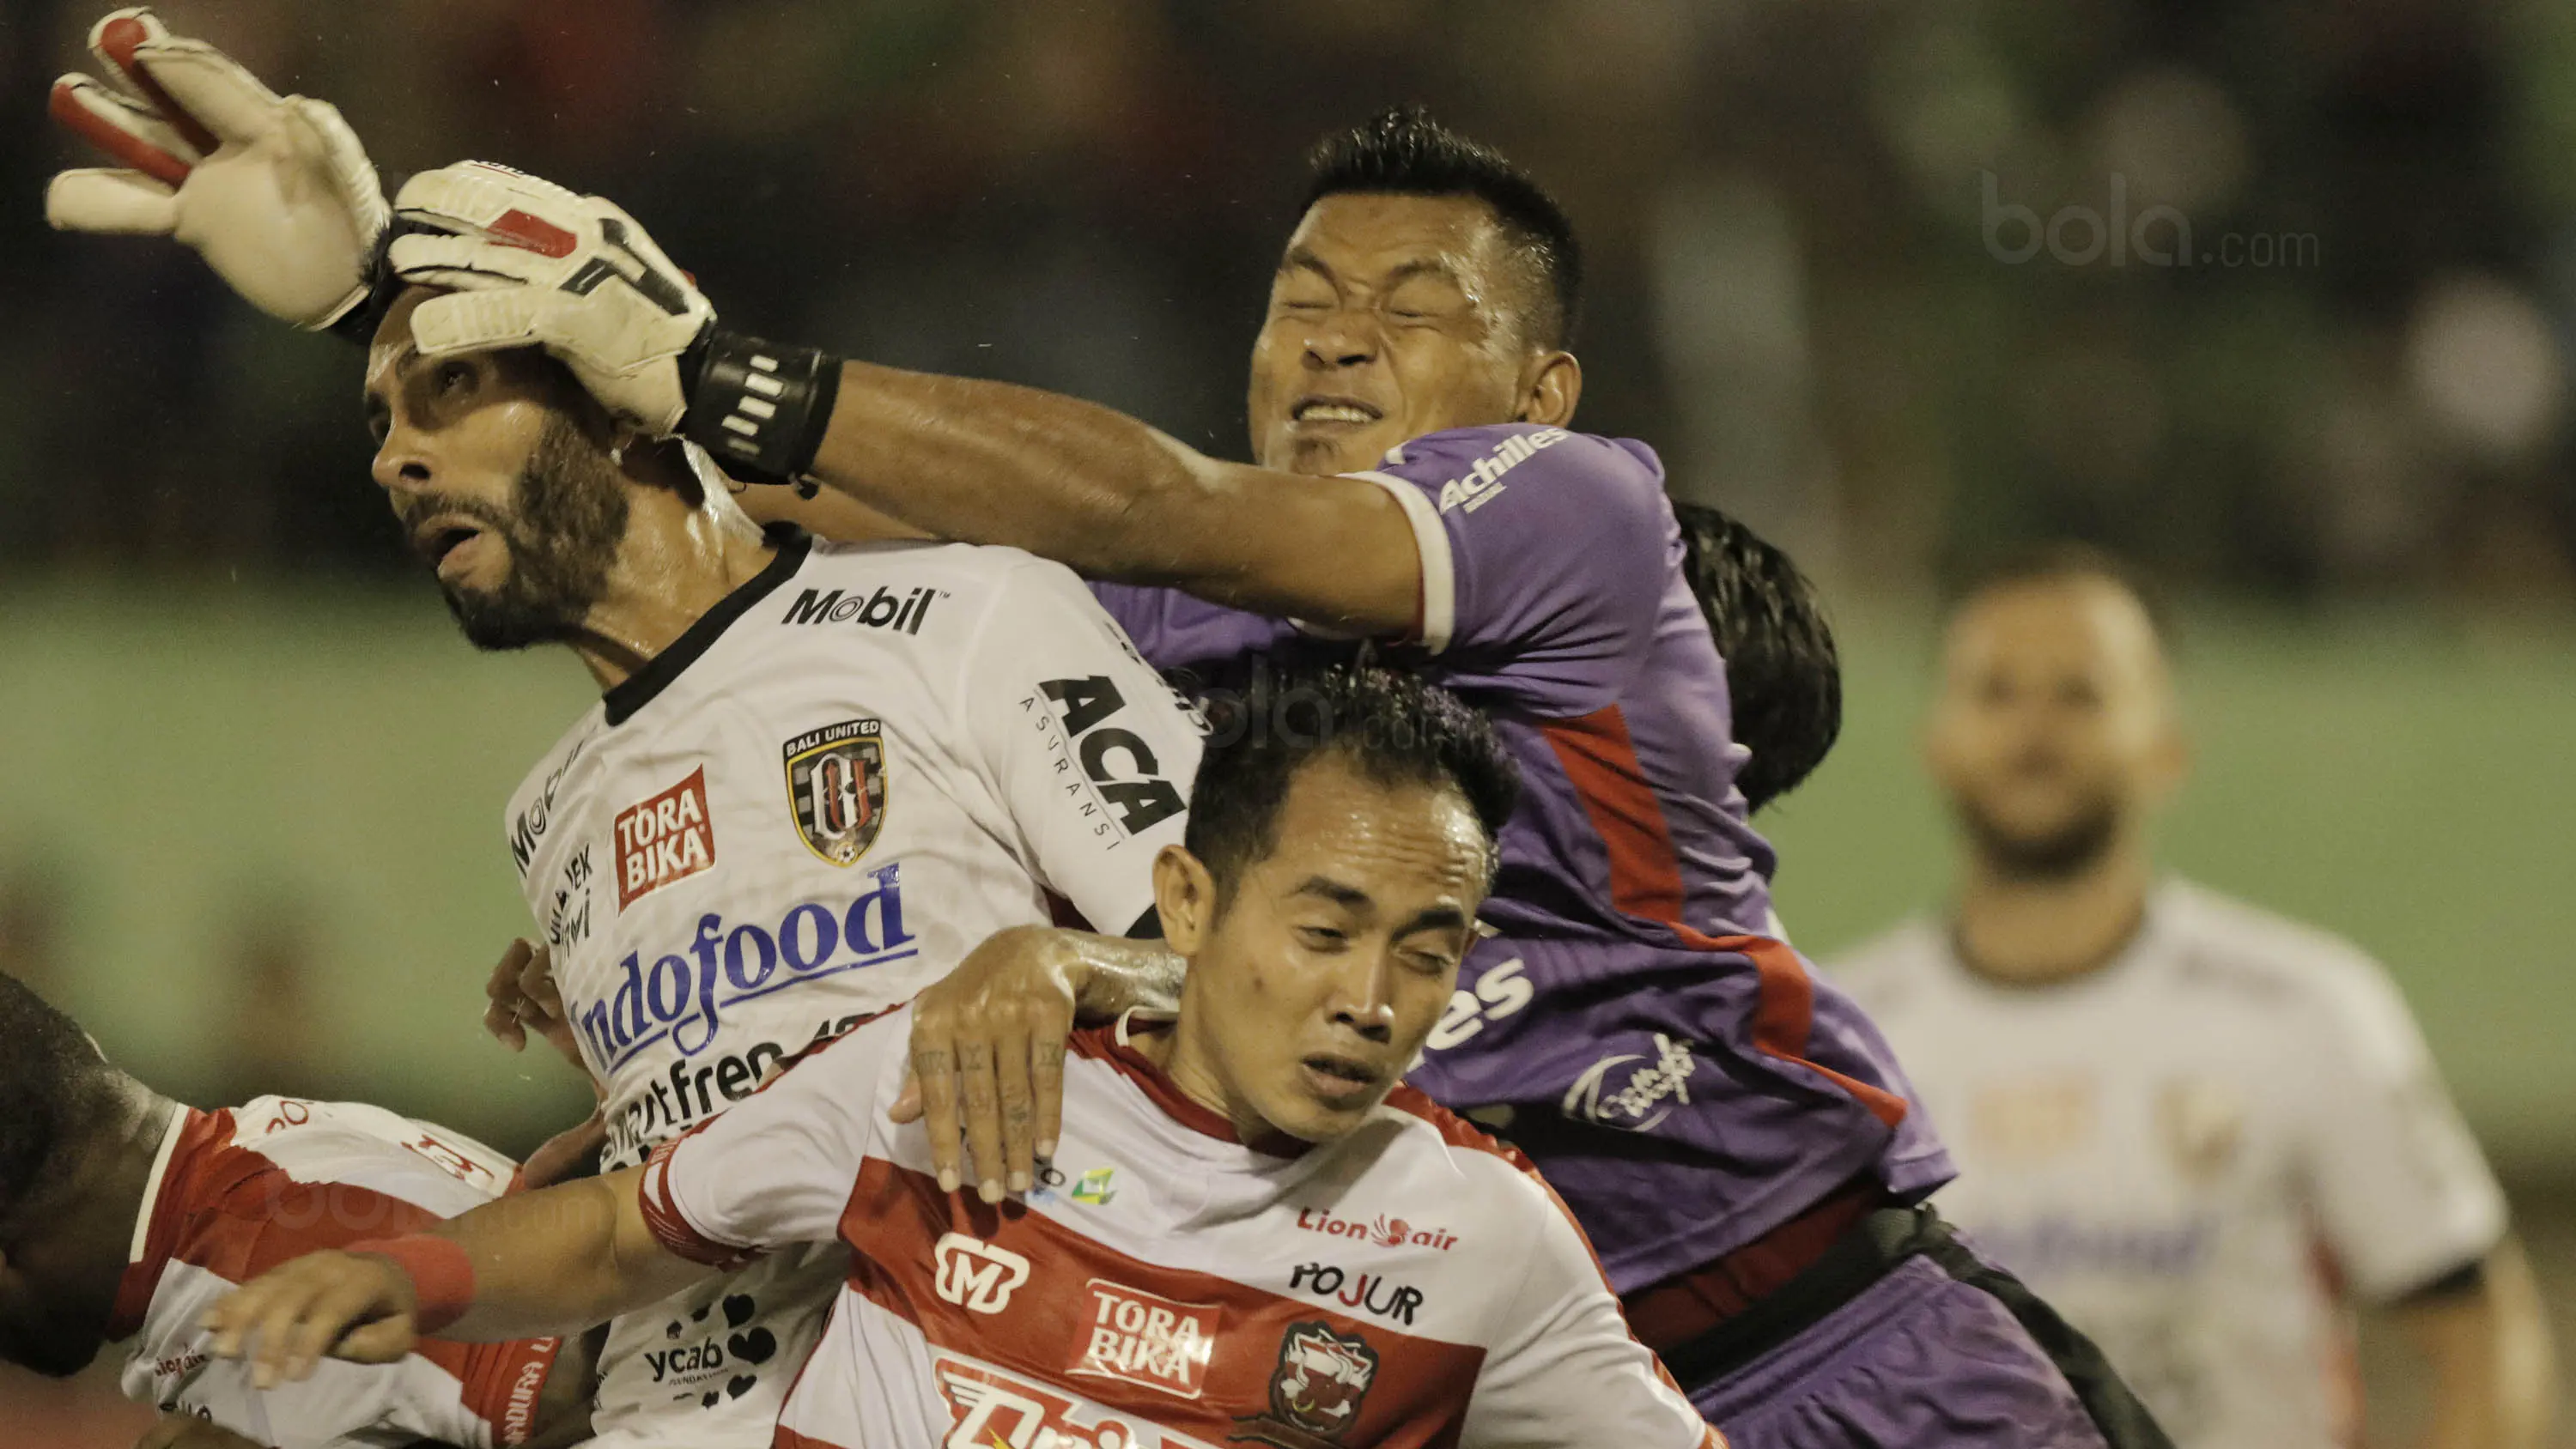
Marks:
<point>1323,902</point>
<point>2204,1131</point>
<point>125,1215</point>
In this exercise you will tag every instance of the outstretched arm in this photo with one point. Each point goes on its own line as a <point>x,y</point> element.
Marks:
<point>1116,499</point>
<point>2487,1340</point>
<point>538,1264</point>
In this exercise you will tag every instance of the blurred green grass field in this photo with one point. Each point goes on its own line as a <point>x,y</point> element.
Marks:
<point>181,757</point>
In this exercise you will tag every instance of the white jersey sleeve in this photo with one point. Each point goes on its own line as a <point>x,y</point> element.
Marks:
<point>778,1168</point>
<point>2401,1192</point>
<point>1565,1369</point>
<point>1089,751</point>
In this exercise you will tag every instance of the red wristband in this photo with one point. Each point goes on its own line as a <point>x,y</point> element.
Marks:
<point>442,1276</point>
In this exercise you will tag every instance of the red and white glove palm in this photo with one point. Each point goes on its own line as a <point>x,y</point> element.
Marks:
<point>273,191</point>
<point>531,264</point>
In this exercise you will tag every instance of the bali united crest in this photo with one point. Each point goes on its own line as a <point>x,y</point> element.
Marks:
<point>1316,1392</point>
<point>836,787</point>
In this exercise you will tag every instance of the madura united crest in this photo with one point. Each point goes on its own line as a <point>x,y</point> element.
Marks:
<point>836,787</point>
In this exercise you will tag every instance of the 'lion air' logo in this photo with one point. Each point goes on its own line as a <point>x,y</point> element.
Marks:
<point>1384,1231</point>
<point>1315,1395</point>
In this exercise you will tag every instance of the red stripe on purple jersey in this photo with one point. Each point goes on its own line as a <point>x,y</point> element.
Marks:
<point>1646,880</point>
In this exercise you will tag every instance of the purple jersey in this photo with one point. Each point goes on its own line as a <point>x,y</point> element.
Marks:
<point>1685,1084</point>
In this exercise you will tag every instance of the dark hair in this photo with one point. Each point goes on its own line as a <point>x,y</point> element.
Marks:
<point>50,1079</point>
<point>1389,726</point>
<point>1403,151</point>
<point>2062,561</point>
<point>1784,677</point>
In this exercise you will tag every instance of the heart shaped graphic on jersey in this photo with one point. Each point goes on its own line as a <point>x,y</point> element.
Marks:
<point>698,1317</point>
<point>736,1388</point>
<point>738,1310</point>
<point>753,1347</point>
<point>708,1399</point>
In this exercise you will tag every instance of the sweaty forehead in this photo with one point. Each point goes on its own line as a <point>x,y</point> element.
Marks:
<point>392,342</point>
<point>1364,236</point>
<point>1406,845</point>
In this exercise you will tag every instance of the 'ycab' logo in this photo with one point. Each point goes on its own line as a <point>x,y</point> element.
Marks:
<point>1144,1338</point>
<point>975,1275</point>
<point>1384,1231</point>
<point>664,839</point>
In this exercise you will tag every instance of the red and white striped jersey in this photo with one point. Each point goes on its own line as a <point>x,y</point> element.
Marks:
<point>235,1193</point>
<point>1411,1284</point>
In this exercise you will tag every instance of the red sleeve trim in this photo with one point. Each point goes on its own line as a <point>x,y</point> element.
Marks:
<point>499,1383</point>
<point>671,1228</point>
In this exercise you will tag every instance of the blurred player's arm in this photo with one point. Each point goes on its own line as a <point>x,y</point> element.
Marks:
<point>540,1263</point>
<point>2414,1218</point>
<point>2486,1337</point>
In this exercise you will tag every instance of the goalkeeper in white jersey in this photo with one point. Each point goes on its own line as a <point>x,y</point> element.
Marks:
<point>817,773</point>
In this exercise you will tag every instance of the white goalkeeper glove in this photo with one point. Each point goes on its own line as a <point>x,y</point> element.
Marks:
<point>532,264</point>
<point>529,263</point>
<point>274,192</point>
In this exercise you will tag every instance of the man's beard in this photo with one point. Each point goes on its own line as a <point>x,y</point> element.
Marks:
<point>2069,849</point>
<point>567,517</point>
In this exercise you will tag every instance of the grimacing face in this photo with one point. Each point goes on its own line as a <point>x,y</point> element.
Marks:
<point>1390,317</point>
<point>498,486</point>
<point>1312,989</point>
<point>2055,723</point>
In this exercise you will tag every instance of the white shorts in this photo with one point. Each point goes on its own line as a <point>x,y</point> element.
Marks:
<point>710,1368</point>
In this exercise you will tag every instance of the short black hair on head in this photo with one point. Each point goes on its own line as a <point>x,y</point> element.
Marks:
<point>2053,561</point>
<point>51,1081</point>
<point>1388,726</point>
<point>1403,151</point>
<point>1784,678</point>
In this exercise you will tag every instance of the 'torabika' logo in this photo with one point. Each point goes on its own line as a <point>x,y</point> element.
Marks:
<point>1144,1338</point>
<point>664,838</point>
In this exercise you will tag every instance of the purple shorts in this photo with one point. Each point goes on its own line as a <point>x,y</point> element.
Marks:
<point>1943,1351</point>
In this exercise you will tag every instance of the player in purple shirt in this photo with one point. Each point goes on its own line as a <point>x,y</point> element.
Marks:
<point>1731,1131</point>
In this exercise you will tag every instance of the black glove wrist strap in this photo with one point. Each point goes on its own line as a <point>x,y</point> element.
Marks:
<point>759,408</point>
